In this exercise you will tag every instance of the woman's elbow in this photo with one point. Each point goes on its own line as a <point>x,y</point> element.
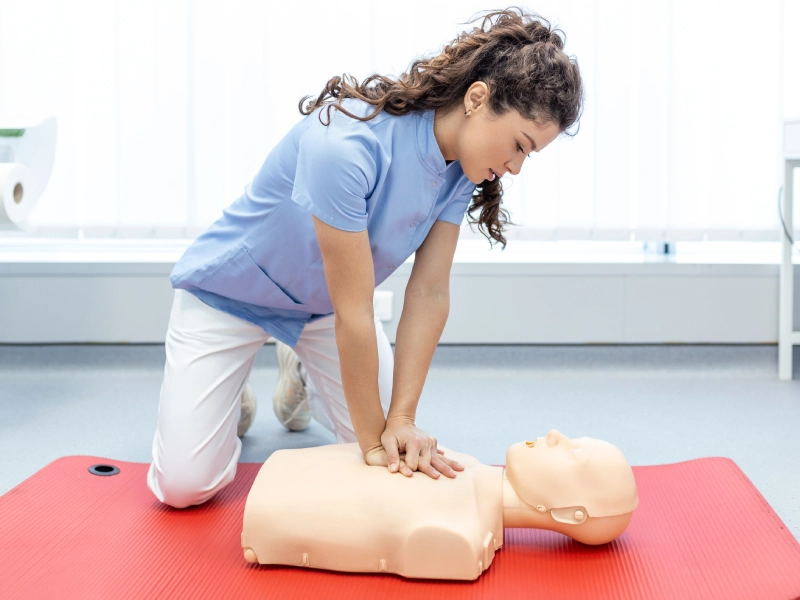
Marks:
<point>436,294</point>
<point>354,315</point>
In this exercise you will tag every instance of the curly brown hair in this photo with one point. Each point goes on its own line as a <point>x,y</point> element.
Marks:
<point>516,53</point>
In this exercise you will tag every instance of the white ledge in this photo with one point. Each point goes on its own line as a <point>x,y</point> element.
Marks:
<point>143,257</point>
<point>469,250</point>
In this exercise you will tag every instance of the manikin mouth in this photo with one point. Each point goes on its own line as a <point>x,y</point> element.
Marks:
<point>530,444</point>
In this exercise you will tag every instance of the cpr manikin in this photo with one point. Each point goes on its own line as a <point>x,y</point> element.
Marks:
<point>326,508</point>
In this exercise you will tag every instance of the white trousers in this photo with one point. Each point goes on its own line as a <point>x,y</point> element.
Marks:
<point>209,358</point>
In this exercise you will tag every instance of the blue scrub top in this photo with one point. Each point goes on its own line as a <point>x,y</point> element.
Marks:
<point>261,261</point>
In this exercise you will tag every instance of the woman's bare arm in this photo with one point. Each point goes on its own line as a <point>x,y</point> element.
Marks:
<point>425,311</point>
<point>349,273</point>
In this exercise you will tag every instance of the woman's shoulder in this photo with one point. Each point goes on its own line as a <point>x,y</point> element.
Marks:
<point>360,116</point>
<point>332,130</point>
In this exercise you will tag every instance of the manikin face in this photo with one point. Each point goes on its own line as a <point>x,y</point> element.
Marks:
<point>490,145</point>
<point>555,471</point>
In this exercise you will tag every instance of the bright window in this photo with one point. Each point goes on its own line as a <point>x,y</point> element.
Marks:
<point>167,109</point>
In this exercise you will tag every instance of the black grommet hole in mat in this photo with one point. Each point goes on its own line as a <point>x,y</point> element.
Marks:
<point>103,470</point>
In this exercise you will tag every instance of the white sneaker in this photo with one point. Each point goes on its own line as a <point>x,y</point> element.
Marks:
<point>248,413</point>
<point>291,399</point>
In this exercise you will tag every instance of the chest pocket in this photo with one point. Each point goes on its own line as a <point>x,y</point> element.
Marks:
<point>240,278</point>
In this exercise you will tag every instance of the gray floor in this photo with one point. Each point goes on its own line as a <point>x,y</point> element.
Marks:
<point>659,404</point>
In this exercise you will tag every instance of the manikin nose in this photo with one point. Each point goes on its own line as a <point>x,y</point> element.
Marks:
<point>555,437</point>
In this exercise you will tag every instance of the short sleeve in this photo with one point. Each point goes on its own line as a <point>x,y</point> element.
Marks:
<point>454,211</point>
<point>336,171</point>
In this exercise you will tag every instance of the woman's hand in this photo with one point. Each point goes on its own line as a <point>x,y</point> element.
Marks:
<point>410,449</point>
<point>377,457</point>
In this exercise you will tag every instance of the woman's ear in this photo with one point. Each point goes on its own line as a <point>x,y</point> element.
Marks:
<point>476,96</point>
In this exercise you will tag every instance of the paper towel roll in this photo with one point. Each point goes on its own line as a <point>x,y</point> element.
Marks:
<point>17,195</point>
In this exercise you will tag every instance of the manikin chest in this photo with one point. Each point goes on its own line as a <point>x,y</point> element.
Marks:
<point>325,508</point>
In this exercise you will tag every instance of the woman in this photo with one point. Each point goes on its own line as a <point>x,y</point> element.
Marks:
<point>376,171</point>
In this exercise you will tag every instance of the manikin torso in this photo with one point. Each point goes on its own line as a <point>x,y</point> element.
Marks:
<point>344,515</point>
<point>325,508</point>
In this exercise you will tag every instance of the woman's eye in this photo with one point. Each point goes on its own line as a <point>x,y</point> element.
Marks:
<point>520,148</point>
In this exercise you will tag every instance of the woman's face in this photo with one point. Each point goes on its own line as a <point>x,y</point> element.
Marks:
<point>490,146</point>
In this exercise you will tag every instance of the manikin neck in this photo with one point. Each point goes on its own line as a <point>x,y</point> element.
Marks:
<point>518,513</point>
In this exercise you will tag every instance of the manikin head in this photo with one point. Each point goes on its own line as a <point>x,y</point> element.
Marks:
<point>585,485</point>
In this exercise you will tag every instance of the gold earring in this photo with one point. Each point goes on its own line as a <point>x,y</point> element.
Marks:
<point>468,113</point>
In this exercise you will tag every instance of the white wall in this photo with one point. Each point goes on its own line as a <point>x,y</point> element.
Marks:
<point>542,302</point>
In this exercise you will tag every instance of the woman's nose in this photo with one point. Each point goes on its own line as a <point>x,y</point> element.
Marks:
<point>514,166</point>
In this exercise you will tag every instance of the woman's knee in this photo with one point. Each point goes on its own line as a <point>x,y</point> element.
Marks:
<point>184,485</point>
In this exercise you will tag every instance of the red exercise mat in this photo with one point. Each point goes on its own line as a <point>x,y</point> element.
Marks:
<point>701,531</point>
